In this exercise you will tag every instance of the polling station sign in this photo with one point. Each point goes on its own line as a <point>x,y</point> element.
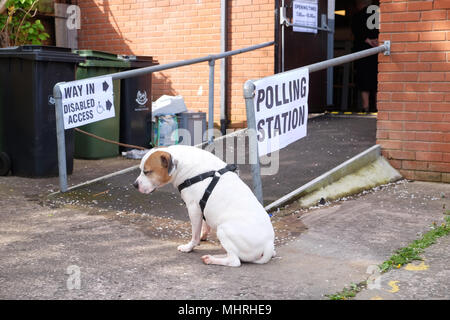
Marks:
<point>281,109</point>
<point>86,101</point>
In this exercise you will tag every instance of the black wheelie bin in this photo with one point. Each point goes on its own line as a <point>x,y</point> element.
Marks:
<point>27,109</point>
<point>136,104</point>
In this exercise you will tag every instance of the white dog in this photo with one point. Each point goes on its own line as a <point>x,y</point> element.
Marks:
<point>243,226</point>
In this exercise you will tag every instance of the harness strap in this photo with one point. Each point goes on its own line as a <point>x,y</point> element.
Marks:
<point>212,184</point>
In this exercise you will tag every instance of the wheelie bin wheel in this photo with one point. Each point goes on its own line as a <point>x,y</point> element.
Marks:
<point>5,163</point>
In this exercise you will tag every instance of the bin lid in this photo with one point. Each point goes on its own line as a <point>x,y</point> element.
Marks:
<point>138,61</point>
<point>96,58</point>
<point>41,53</point>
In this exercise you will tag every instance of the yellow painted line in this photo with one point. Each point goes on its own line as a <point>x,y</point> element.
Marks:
<point>376,298</point>
<point>420,267</point>
<point>394,286</point>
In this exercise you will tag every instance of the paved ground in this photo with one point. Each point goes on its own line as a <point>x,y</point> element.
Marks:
<point>133,256</point>
<point>47,246</point>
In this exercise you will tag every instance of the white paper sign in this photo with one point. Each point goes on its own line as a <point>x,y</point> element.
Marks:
<point>281,110</point>
<point>305,14</point>
<point>87,101</point>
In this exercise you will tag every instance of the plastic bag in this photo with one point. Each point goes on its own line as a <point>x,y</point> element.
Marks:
<point>166,130</point>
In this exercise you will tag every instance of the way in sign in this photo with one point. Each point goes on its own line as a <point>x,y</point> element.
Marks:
<point>87,101</point>
<point>77,90</point>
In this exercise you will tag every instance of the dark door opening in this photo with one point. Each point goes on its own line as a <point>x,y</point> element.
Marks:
<point>346,96</point>
<point>297,49</point>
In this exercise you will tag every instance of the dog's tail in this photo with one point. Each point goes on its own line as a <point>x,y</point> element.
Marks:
<point>268,253</point>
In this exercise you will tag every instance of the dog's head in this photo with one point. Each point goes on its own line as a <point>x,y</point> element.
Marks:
<point>157,168</point>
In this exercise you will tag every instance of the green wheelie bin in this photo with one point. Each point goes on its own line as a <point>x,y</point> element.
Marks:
<point>100,63</point>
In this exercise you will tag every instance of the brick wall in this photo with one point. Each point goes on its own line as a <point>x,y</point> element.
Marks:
<point>414,88</point>
<point>172,30</point>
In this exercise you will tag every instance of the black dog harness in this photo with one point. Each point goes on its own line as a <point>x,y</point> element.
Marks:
<point>189,182</point>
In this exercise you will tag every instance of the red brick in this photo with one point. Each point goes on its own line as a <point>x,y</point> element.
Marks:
<point>418,67</point>
<point>421,26</point>
<point>392,27</point>
<point>439,166</point>
<point>392,7</point>
<point>389,125</point>
<point>428,156</point>
<point>440,66</point>
<point>402,135</point>
<point>442,4</point>
<point>417,106</point>
<point>441,25</point>
<point>408,116</point>
<point>431,96</point>
<point>427,176</point>
<point>434,15</point>
<point>401,155</point>
<point>432,76</point>
<point>433,56</point>
<point>417,126</point>
<point>407,174</point>
<point>390,67</point>
<point>440,86</point>
<point>381,134</point>
<point>416,146</point>
<point>406,57</point>
<point>414,165</point>
<point>432,36</point>
<point>440,147</point>
<point>405,37</point>
<point>389,106</point>
<point>440,107</point>
<point>430,117</point>
<point>417,86</point>
<point>390,86</point>
<point>417,46</point>
<point>420,5</point>
<point>405,16</point>
<point>405,96</point>
<point>429,136</point>
<point>392,144</point>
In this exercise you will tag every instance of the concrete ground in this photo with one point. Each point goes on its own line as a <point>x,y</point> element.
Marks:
<point>121,255</point>
<point>106,243</point>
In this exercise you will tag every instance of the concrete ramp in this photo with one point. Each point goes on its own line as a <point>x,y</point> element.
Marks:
<point>362,172</point>
<point>330,142</point>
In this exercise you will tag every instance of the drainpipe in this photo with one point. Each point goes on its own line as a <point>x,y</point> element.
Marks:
<point>223,67</point>
<point>330,50</point>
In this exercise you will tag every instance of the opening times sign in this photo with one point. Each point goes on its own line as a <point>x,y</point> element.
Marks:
<point>281,110</point>
<point>87,101</point>
<point>305,13</point>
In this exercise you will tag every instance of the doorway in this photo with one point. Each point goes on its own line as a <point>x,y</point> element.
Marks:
<point>296,49</point>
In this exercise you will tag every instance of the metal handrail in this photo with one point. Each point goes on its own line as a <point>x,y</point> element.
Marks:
<point>138,72</point>
<point>249,89</point>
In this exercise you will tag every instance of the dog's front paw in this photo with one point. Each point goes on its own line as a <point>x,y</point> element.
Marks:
<point>207,259</point>
<point>185,247</point>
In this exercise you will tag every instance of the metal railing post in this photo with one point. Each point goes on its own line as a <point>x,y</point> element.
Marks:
<point>249,89</point>
<point>211,63</point>
<point>60,138</point>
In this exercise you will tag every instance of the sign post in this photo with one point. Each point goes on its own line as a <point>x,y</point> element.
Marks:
<point>249,91</point>
<point>78,103</point>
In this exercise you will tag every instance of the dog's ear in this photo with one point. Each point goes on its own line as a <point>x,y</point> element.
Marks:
<point>167,162</point>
